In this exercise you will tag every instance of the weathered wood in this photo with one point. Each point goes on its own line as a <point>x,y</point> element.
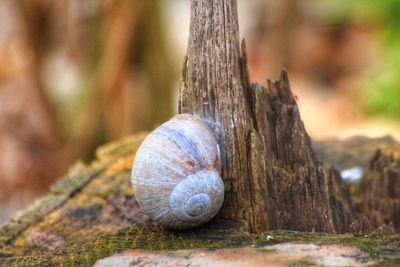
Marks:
<point>213,88</point>
<point>376,197</point>
<point>380,191</point>
<point>273,179</point>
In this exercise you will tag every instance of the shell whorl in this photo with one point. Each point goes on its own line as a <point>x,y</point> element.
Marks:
<point>175,173</point>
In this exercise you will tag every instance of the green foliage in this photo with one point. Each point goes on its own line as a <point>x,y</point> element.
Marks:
<point>382,95</point>
<point>380,92</point>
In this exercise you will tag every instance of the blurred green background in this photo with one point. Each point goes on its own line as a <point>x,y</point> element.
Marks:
<point>76,74</point>
<point>382,83</point>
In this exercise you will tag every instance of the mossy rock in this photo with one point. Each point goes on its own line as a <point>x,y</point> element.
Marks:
<point>91,213</point>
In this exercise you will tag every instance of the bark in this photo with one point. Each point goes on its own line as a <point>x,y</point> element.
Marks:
<point>29,139</point>
<point>273,179</point>
<point>380,191</point>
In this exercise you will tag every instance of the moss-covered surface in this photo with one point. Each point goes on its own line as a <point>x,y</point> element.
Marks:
<point>385,249</point>
<point>89,201</point>
<point>91,213</point>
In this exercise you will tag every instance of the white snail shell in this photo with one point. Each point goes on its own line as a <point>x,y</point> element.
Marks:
<point>176,173</point>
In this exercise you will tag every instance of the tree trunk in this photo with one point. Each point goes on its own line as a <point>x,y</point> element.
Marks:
<point>272,178</point>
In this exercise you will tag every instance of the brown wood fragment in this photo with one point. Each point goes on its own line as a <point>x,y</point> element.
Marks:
<point>380,191</point>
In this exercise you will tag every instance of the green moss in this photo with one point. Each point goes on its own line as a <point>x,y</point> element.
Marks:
<point>387,263</point>
<point>301,263</point>
<point>20,221</point>
<point>145,237</point>
<point>385,248</point>
<point>81,189</point>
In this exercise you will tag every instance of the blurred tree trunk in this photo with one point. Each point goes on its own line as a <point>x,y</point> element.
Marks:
<point>273,36</point>
<point>29,138</point>
<point>115,54</point>
<point>132,78</point>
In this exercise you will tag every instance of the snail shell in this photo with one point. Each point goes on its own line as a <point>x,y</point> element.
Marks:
<point>176,173</point>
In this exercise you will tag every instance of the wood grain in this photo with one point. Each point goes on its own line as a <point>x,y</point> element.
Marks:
<point>272,177</point>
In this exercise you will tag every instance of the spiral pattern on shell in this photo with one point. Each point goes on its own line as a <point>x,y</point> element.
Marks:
<point>176,173</point>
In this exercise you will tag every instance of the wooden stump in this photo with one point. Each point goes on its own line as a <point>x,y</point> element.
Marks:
<point>273,179</point>
<point>380,191</point>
